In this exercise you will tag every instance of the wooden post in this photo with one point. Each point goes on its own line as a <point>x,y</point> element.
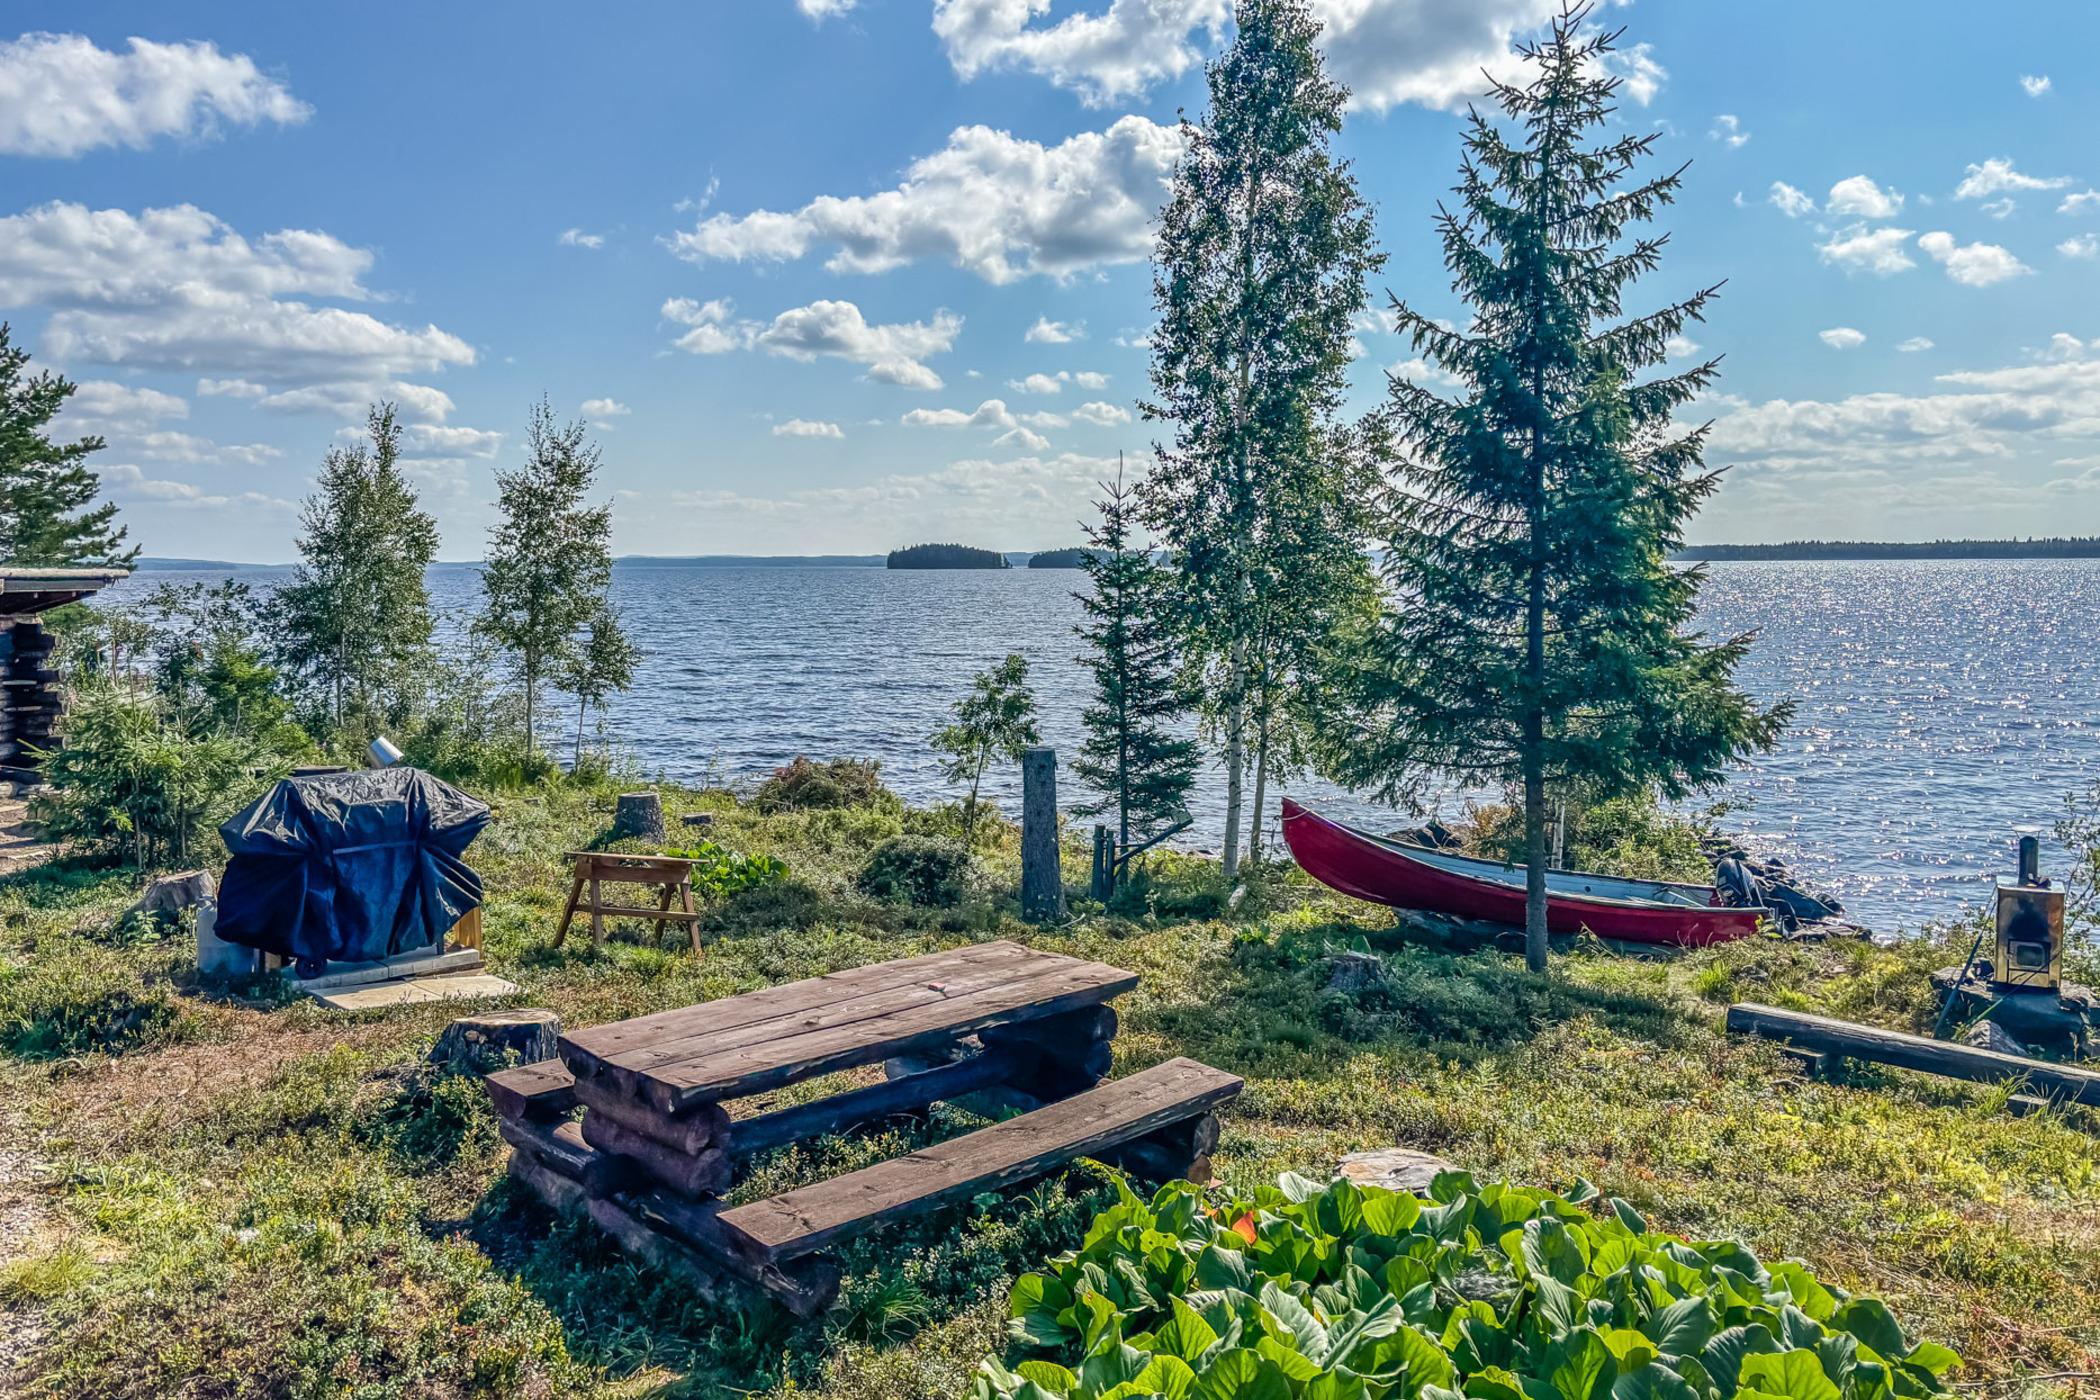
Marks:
<point>1042,879</point>
<point>1104,883</point>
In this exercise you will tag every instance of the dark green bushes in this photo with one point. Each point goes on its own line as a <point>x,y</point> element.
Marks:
<point>932,871</point>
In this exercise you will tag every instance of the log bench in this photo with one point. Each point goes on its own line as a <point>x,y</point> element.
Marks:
<point>657,1145</point>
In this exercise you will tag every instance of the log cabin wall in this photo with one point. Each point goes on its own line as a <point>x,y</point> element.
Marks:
<point>32,699</point>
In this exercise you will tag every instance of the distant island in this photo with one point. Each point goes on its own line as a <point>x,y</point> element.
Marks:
<point>946,556</point>
<point>1074,558</point>
<point>2067,547</point>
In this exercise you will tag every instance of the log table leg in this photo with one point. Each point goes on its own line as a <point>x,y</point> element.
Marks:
<point>1064,1054</point>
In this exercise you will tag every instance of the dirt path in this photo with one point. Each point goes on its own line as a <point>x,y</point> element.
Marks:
<point>20,845</point>
<point>23,1222</point>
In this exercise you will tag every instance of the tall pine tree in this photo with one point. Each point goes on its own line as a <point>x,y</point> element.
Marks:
<point>354,622</point>
<point>1263,250</point>
<point>48,515</point>
<point>548,577</point>
<point>1131,756</point>
<point>1539,635</point>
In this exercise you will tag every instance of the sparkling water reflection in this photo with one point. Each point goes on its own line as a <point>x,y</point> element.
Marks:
<point>1938,703</point>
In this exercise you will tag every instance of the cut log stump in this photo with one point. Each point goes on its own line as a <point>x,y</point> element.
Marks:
<point>496,1040</point>
<point>638,815</point>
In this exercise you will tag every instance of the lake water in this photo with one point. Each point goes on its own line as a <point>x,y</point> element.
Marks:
<point>1937,703</point>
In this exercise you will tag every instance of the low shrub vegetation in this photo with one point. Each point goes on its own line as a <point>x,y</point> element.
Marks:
<point>931,871</point>
<point>1339,1292</point>
<point>839,782</point>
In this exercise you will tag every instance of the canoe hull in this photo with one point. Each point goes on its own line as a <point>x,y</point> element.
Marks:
<point>1383,873</point>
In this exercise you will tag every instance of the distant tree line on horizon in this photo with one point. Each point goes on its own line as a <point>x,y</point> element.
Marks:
<point>2049,547</point>
<point>946,556</point>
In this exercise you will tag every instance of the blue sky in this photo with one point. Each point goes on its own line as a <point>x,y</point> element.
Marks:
<point>834,276</point>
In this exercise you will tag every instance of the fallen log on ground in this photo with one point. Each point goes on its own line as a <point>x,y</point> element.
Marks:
<point>1832,1037</point>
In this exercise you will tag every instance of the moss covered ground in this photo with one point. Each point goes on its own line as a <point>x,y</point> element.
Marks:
<point>212,1196</point>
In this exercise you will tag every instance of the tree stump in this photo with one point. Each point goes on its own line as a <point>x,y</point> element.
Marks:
<point>169,895</point>
<point>496,1040</point>
<point>638,814</point>
<point>1042,878</point>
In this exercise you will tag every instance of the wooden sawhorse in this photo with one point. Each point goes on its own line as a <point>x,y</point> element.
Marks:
<point>672,875</point>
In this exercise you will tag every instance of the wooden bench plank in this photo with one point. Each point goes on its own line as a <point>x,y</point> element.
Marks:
<point>545,1089</point>
<point>604,1042</point>
<point>754,1069</point>
<point>809,1218</point>
<point>976,977</point>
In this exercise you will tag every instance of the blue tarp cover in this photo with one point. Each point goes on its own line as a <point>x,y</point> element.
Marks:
<point>350,866</point>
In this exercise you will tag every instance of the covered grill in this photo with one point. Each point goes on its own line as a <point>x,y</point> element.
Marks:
<point>350,866</point>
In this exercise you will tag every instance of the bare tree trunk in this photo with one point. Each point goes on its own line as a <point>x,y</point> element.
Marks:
<point>532,700</point>
<point>1534,758</point>
<point>577,761</point>
<point>1261,786</point>
<point>1235,759</point>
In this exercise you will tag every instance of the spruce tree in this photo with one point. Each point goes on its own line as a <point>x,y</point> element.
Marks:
<point>549,567</point>
<point>1263,250</point>
<point>1539,635</point>
<point>1131,756</point>
<point>48,518</point>
<point>354,622</point>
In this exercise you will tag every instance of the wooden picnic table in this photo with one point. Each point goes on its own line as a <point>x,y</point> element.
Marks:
<point>657,1145</point>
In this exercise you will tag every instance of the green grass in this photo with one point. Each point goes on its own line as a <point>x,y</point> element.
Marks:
<point>250,1197</point>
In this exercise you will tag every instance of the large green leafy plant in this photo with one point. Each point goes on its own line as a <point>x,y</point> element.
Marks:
<point>1341,1292</point>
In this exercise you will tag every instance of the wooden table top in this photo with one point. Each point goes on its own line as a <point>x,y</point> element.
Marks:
<point>749,1044</point>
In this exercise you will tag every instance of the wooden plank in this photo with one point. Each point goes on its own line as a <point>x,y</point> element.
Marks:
<point>639,911</point>
<point>754,1069</point>
<point>705,1127</point>
<point>600,1043</point>
<point>1956,1061</point>
<point>978,977</point>
<point>542,1090</point>
<point>869,1105</point>
<point>800,1221</point>
<point>807,1286</point>
<point>414,991</point>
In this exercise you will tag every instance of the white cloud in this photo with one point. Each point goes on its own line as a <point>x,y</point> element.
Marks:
<point>577,238</point>
<point>127,482</point>
<point>1790,201</point>
<point>892,354</point>
<point>2079,203</point>
<point>1021,437</point>
<point>605,408</point>
<point>2001,208</point>
<point>2034,85</point>
<point>1997,176</point>
<point>1913,345</point>
<point>1971,264</point>
<point>1038,384</point>
<point>1859,195</point>
<point>178,289</point>
<point>992,413</point>
<point>989,202</point>
<point>1680,347</point>
<point>105,408</point>
<point>1842,338</point>
<point>1861,249</point>
<point>804,427</point>
<point>1387,52</point>
<point>1134,338</point>
<point>1106,57</point>
<point>188,447</point>
<point>1048,332</point>
<point>821,10</point>
<point>2084,245</point>
<point>1728,128</point>
<point>61,96</point>
<point>1103,415</point>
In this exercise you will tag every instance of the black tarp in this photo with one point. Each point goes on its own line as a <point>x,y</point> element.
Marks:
<point>351,866</point>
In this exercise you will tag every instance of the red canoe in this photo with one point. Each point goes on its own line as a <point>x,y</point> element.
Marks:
<point>1416,877</point>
